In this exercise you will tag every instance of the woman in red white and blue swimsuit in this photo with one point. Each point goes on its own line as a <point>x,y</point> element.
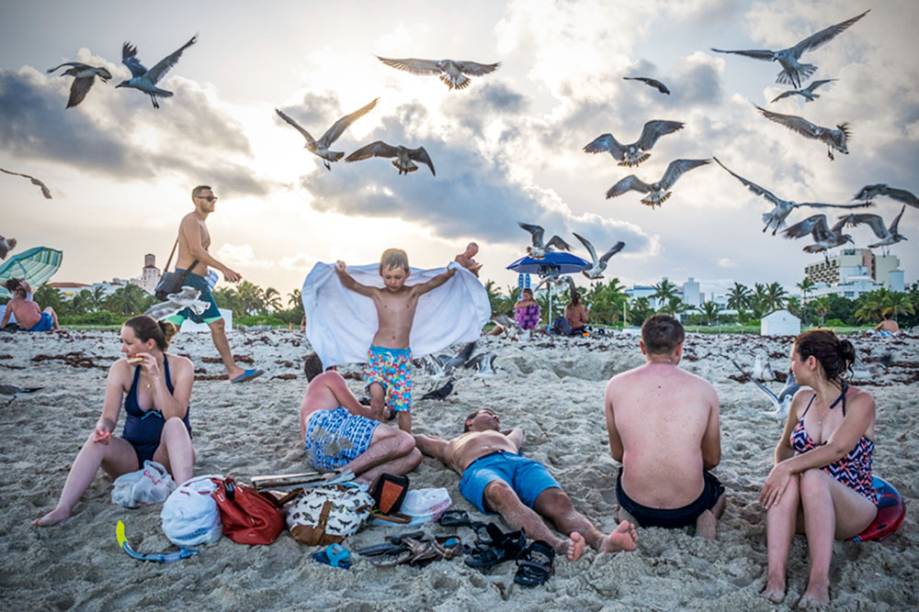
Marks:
<point>821,482</point>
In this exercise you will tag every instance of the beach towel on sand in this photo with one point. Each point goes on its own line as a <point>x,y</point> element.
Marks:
<point>340,323</point>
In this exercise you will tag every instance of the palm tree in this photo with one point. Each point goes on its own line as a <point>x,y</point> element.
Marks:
<point>272,299</point>
<point>639,310</point>
<point>759,301</point>
<point>775,296</point>
<point>805,286</point>
<point>710,312</point>
<point>98,297</point>
<point>739,298</point>
<point>665,291</point>
<point>821,307</point>
<point>295,299</point>
<point>900,303</point>
<point>251,297</point>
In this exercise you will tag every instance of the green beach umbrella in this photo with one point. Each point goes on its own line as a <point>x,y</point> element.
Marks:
<point>36,266</point>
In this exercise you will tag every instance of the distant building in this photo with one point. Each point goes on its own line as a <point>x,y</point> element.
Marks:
<point>149,277</point>
<point>852,264</point>
<point>691,294</point>
<point>642,291</point>
<point>69,290</point>
<point>780,323</point>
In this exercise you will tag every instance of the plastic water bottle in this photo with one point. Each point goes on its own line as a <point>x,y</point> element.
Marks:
<point>212,278</point>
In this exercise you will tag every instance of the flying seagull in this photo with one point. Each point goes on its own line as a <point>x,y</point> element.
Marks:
<point>782,401</point>
<point>321,147</point>
<point>775,218</point>
<point>44,188</point>
<point>6,245</point>
<point>659,191</point>
<point>539,249</point>
<point>637,152</point>
<point>651,82</point>
<point>833,138</point>
<point>599,265</point>
<point>825,237</point>
<point>869,192</point>
<point>451,72</point>
<point>84,76</point>
<point>146,80</point>
<point>187,297</point>
<point>793,72</point>
<point>484,363</point>
<point>404,156</point>
<point>807,93</point>
<point>887,235</point>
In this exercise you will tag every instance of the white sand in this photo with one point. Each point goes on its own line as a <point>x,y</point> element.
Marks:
<point>553,392</point>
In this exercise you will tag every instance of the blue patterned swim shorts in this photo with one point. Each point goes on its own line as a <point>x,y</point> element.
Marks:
<point>337,437</point>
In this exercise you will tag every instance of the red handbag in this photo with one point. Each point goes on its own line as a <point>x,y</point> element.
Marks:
<point>247,516</point>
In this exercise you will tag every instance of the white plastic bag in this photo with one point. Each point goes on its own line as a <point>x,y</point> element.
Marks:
<point>150,485</point>
<point>422,506</point>
<point>190,515</point>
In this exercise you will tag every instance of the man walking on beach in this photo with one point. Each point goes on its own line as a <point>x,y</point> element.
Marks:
<point>663,426</point>
<point>194,241</point>
<point>496,478</point>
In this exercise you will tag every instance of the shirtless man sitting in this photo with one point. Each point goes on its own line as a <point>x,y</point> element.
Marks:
<point>887,325</point>
<point>467,258</point>
<point>29,315</point>
<point>663,426</point>
<point>495,477</point>
<point>339,432</point>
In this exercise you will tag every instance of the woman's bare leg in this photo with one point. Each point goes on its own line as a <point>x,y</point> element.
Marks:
<point>781,520</point>
<point>116,457</point>
<point>175,451</point>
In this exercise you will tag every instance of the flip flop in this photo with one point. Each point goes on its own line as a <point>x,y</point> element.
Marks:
<point>334,555</point>
<point>535,565</point>
<point>248,375</point>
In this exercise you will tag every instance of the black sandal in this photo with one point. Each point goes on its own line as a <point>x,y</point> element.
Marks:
<point>458,518</point>
<point>535,565</point>
<point>499,547</point>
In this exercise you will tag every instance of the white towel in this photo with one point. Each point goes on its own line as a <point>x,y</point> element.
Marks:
<point>341,323</point>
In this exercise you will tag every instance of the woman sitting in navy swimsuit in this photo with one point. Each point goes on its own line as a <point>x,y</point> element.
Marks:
<point>155,388</point>
<point>821,482</point>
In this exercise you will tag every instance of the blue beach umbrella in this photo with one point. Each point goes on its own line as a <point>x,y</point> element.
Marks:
<point>36,266</point>
<point>554,263</point>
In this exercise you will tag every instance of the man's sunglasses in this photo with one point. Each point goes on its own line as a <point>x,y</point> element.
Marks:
<point>208,198</point>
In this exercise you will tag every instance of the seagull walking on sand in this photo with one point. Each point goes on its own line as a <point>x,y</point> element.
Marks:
<point>12,391</point>
<point>145,80</point>
<point>775,218</point>
<point>539,249</point>
<point>598,264</point>
<point>793,72</point>
<point>651,83</point>
<point>658,192</point>
<point>321,147</point>
<point>453,73</point>
<point>869,192</point>
<point>6,245</point>
<point>403,156</point>
<point>41,185</point>
<point>837,138</point>
<point>887,235</point>
<point>825,237</point>
<point>84,77</point>
<point>807,93</point>
<point>637,152</point>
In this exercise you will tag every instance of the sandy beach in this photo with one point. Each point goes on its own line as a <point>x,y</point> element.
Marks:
<point>551,388</point>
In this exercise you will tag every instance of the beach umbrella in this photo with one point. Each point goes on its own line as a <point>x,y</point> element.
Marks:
<point>554,263</point>
<point>36,266</point>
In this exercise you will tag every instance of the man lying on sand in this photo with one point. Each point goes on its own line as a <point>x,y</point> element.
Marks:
<point>495,477</point>
<point>340,432</point>
<point>663,427</point>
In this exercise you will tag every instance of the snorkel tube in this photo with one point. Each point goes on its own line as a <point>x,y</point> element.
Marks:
<point>166,557</point>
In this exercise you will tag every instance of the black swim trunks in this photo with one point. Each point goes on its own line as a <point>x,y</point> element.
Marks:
<point>672,518</point>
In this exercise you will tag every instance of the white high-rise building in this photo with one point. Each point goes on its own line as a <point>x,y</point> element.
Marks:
<point>691,294</point>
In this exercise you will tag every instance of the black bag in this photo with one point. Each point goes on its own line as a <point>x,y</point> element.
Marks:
<point>171,282</point>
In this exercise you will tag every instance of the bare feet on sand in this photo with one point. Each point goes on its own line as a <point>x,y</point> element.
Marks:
<point>774,590</point>
<point>815,597</point>
<point>707,525</point>
<point>623,537</point>
<point>574,546</point>
<point>52,518</point>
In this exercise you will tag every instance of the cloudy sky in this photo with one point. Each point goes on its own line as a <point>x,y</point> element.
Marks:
<point>506,149</point>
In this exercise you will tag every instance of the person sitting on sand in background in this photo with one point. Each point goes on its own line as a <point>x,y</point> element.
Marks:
<point>339,432</point>
<point>887,327</point>
<point>29,315</point>
<point>526,311</point>
<point>155,388</point>
<point>821,483</point>
<point>576,314</point>
<point>390,356</point>
<point>467,258</point>
<point>663,425</point>
<point>496,478</point>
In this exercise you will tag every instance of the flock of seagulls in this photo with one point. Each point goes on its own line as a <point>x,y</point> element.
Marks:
<point>538,249</point>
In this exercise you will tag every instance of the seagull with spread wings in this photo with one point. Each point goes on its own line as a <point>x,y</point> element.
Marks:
<point>658,192</point>
<point>44,188</point>
<point>403,156</point>
<point>775,218</point>
<point>807,93</point>
<point>538,248</point>
<point>598,264</point>
<point>869,192</point>
<point>84,77</point>
<point>825,237</point>
<point>453,73</point>
<point>651,83</point>
<point>837,138</point>
<point>321,147</point>
<point>887,235</point>
<point>6,245</point>
<point>635,153</point>
<point>145,80</point>
<point>793,72</point>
